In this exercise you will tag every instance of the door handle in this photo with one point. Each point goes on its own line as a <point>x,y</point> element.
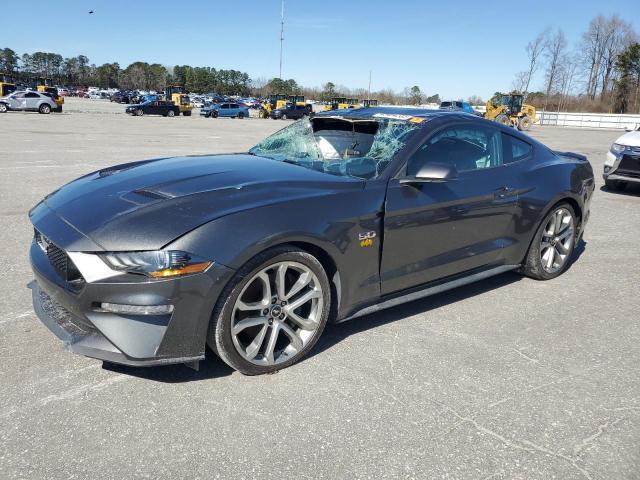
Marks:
<point>504,192</point>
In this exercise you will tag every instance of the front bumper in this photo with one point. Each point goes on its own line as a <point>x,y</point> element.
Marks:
<point>624,167</point>
<point>74,315</point>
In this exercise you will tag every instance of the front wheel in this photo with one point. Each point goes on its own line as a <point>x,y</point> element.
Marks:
<point>214,114</point>
<point>3,108</point>
<point>553,244</point>
<point>502,119</point>
<point>615,185</point>
<point>45,109</point>
<point>284,116</point>
<point>139,112</point>
<point>272,312</point>
<point>524,123</point>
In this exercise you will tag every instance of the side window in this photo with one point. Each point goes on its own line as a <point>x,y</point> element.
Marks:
<point>225,105</point>
<point>32,95</point>
<point>515,149</point>
<point>19,95</point>
<point>465,147</point>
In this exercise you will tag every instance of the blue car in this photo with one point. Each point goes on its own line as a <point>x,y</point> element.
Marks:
<point>457,106</point>
<point>225,110</point>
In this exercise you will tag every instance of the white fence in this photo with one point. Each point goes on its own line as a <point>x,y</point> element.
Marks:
<point>589,120</point>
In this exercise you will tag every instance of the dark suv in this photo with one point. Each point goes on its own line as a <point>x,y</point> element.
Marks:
<point>155,107</point>
<point>291,110</point>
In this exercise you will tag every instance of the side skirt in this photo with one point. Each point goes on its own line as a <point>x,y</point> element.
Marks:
<point>426,292</point>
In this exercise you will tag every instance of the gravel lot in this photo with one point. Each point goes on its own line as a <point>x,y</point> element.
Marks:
<point>506,379</point>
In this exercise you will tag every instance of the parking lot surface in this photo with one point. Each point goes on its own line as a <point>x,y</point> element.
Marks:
<point>504,379</point>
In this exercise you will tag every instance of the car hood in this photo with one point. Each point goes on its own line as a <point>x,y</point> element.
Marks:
<point>630,139</point>
<point>146,205</point>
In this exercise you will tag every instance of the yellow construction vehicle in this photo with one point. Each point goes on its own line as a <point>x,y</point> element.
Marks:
<point>45,85</point>
<point>177,95</point>
<point>297,100</point>
<point>337,103</point>
<point>7,84</point>
<point>370,102</point>
<point>272,102</point>
<point>510,109</point>
<point>353,103</point>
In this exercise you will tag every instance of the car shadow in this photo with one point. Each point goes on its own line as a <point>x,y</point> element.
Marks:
<point>631,190</point>
<point>336,332</point>
<point>209,368</point>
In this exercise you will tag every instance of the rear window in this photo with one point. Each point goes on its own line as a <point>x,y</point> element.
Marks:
<point>515,149</point>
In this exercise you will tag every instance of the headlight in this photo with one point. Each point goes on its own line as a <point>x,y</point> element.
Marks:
<point>156,264</point>
<point>617,148</point>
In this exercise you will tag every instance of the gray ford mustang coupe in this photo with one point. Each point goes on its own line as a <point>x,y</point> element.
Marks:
<point>328,219</point>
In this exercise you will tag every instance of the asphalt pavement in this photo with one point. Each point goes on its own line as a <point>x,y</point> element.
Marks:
<point>509,378</point>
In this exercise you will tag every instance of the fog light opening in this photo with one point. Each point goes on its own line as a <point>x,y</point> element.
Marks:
<point>137,309</point>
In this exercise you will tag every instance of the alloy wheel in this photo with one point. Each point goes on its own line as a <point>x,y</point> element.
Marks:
<point>557,240</point>
<point>277,313</point>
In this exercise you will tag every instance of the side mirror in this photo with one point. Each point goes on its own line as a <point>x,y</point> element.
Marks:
<point>433,173</point>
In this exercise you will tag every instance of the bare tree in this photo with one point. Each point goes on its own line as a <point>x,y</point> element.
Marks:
<point>520,81</point>
<point>554,52</point>
<point>593,46</point>
<point>534,50</point>
<point>618,35</point>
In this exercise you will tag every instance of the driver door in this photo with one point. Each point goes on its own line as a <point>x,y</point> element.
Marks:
<point>434,230</point>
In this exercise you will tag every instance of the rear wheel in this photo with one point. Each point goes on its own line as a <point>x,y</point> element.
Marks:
<point>44,109</point>
<point>187,113</point>
<point>615,185</point>
<point>241,115</point>
<point>3,108</point>
<point>272,312</point>
<point>553,244</point>
<point>524,123</point>
<point>502,119</point>
<point>171,113</point>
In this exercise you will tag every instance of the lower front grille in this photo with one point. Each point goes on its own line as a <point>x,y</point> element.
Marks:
<point>60,262</point>
<point>629,165</point>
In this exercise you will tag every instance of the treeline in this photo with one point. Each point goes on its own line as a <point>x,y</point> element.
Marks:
<point>600,73</point>
<point>142,75</point>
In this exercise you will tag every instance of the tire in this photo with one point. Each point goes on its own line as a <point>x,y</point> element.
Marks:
<point>502,119</point>
<point>171,113</point>
<point>524,123</point>
<point>615,185</point>
<point>187,113</point>
<point>3,108</point>
<point>228,342</point>
<point>214,114</point>
<point>241,115</point>
<point>139,112</point>
<point>283,116</point>
<point>45,109</point>
<point>536,264</point>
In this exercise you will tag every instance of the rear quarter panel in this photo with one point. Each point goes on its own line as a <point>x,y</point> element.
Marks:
<point>546,180</point>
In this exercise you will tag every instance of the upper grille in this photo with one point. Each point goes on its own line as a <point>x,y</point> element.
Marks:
<point>60,262</point>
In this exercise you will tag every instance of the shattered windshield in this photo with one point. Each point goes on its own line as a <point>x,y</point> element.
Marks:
<point>360,148</point>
